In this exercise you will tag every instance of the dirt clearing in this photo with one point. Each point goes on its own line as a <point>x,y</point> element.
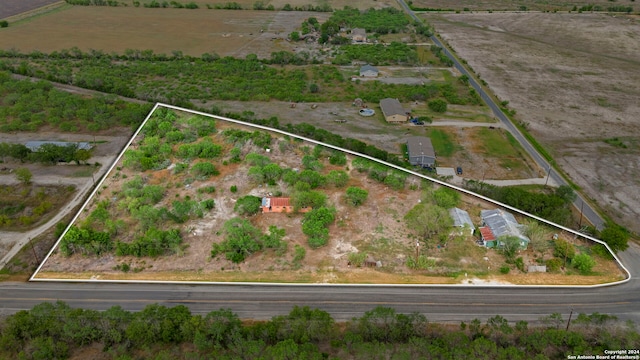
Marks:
<point>573,79</point>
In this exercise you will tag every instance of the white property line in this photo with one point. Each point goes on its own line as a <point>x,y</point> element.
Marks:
<point>439,182</point>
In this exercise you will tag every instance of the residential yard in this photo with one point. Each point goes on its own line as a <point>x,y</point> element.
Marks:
<point>376,229</point>
<point>576,93</point>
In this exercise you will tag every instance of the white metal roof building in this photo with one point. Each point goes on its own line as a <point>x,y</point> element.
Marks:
<point>461,218</point>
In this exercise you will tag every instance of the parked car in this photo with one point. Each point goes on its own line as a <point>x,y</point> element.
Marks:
<point>459,170</point>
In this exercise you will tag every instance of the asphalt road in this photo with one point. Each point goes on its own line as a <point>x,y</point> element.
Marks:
<point>588,212</point>
<point>342,302</point>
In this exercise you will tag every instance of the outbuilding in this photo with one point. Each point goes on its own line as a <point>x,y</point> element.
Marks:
<point>461,219</point>
<point>369,71</point>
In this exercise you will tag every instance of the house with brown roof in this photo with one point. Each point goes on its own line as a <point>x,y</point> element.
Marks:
<point>393,111</point>
<point>278,205</point>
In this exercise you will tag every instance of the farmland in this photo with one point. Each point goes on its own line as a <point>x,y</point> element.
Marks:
<point>204,188</point>
<point>575,93</point>
<point>508,5</point>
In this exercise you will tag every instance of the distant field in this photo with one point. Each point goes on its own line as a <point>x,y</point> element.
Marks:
<point>538,5</point>
<point>15,7</point>
<point>115,29</point>
<point>278,4</point>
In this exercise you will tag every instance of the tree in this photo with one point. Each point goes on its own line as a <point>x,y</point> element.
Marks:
<point>438,105</point>
<point>428,220</point>
<point>4,24</point>
<point>615,236</point>
<point>304,325</point>
<point>24,175</point>
<point>308,199</point>
<point>566,193</point>
<point>583,262</point>
<point>294,36</point>
<point>356,196</point>
<point>446,197</point>
<point>241,240</point>
<point>510,246</point>
<point>315,225</point>
<point>564,249</point>
<point>538,236</point>
<point>248,205</point>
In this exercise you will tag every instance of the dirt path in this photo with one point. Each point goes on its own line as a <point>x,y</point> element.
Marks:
<point>20,239</point>
<point>77,90</point>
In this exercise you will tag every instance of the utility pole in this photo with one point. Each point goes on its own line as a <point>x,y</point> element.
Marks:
<point>548,174</point>
<point>569,321</point>
<point>34,252</point>
<point>581,207</point>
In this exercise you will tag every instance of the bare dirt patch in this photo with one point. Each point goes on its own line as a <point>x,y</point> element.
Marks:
<point>573,78</point>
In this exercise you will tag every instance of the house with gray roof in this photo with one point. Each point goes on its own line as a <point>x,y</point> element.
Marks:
<point>499,224</point>
<point>369,71</point>
<point>461,219</point>
<point>420,151</point>
<point>393,111</point>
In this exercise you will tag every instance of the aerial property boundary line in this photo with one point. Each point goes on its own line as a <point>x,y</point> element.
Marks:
<point>261,127</point>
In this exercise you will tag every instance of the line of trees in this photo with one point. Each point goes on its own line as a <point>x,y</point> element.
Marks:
<point>46,153</point>
<point>56,331</point>
<point>174,79</point>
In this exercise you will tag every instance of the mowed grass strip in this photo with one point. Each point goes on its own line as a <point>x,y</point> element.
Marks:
<point>497,143</point>
<point>442,143</point>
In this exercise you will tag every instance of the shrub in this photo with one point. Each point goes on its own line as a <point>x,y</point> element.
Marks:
<point>504,269</point>
<point>564,249</point>
<point>554,265</point>
<point>315,226</point>
<point>584,263</point>
<point>233,189</point>
<point>356,196</point>
<point>438,105</point>
<point>204,170</point>
<point>208,204</point>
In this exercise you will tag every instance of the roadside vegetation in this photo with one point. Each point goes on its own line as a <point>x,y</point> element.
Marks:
<point>58,331</point>
<point>29,106</point>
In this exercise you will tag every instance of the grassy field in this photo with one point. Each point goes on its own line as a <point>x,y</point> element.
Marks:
<point>442,142</point>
